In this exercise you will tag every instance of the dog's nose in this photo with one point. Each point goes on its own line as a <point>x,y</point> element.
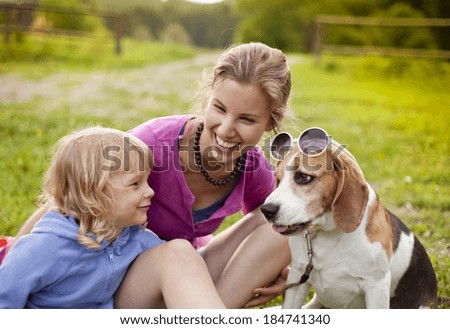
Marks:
<point>270,210</point>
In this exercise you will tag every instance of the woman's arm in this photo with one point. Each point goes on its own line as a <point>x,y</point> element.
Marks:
<point>275,289</point>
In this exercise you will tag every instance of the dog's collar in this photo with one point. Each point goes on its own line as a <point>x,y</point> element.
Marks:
<point>309,266</point>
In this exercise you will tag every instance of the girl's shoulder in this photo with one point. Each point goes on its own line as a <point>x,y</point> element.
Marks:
<point>56,225</point>
<point>54,236</point>
<point>145,237</point>
<point>45,249</point>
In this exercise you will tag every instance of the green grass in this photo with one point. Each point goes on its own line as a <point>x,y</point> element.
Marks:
<point>37,56</point>
<point>392,114</point>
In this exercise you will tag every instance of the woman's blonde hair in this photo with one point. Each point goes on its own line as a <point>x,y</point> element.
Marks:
<point>254,64</point>
<point>77,182</point>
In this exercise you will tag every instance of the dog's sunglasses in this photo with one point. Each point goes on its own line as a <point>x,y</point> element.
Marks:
<point>311,142</point>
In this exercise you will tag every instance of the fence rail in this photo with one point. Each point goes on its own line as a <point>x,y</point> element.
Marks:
<point>16,21</point>
<point>382,21</point>
<point>321,21</point>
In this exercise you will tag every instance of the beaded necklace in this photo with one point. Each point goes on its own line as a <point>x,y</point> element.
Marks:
<point>198,161</point>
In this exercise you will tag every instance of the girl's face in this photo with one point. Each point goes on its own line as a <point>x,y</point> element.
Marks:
<point>235,119</point>
<point>131,195</point>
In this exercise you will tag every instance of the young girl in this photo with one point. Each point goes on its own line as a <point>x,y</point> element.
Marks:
<point>78,253</point>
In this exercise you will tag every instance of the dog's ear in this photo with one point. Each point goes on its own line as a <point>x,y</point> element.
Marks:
<point>351,195</point>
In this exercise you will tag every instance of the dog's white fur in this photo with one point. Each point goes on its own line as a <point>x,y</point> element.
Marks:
<point>359,257</point>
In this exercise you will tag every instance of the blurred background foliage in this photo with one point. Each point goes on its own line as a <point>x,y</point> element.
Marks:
<point>285,24</point>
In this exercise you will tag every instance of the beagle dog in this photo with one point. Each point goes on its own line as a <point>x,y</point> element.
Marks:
<point>349,248</point>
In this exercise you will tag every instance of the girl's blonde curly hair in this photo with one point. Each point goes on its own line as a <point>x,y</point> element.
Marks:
<point>78,184</point>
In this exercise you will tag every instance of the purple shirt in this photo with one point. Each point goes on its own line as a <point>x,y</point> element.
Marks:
<point>170,214</point>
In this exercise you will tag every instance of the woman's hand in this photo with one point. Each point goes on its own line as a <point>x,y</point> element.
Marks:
<point>275,289</point>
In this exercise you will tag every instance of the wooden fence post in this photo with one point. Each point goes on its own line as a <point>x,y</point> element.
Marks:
<point>118,31</point>
<point>8,21</point>
<point>319,32</point>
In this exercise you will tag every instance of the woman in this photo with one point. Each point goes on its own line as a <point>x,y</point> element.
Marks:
<point>207,167</point>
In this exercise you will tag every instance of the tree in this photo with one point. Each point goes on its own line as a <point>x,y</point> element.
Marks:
<point>207,25</point>
<point>277,23</point>
<point>287,24</point>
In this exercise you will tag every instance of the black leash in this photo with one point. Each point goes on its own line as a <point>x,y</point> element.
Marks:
<point>309,266</point>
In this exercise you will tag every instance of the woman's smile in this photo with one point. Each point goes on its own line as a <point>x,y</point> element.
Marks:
<point>225,146</point>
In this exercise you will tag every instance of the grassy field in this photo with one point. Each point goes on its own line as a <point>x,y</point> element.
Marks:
<point>393,115</point>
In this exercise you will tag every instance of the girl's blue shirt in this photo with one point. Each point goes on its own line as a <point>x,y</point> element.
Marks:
<point>49,268</point>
